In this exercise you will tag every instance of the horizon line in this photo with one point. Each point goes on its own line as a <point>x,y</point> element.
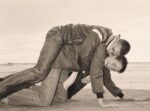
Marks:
<point>35,63</point>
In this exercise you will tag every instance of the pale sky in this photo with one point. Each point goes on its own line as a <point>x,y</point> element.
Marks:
<point>24,23</point>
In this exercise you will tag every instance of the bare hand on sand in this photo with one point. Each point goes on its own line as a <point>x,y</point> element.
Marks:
<point>111,105</point>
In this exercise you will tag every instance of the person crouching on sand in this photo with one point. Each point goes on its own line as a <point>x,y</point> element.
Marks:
<point>70,47</point>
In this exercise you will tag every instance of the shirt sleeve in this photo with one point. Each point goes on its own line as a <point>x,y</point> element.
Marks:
<point>109,84</point>
<point>96,69</point>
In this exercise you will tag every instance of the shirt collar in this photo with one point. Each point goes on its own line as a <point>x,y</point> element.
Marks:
<point>112,39</point>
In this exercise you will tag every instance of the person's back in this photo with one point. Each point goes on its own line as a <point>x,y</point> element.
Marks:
<point>77,56</point>
<point>77,33</point>
<point>56,41</point>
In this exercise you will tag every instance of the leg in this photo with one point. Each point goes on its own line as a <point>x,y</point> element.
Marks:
<point>36,74</point>
<point>63,87</point>
<point>61,93</point>
<point>42,95</point>
<point>77,86</point>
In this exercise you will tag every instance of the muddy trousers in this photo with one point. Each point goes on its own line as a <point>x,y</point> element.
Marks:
<point>39,72</point>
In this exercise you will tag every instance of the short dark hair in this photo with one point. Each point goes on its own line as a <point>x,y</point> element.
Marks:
<point>125,46</point>
<point>124,63</point>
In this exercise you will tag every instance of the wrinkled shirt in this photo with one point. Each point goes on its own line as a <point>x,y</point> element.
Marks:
<point>89,55</point>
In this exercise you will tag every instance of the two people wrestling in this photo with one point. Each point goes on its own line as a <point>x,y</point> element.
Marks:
<point>72,56</point>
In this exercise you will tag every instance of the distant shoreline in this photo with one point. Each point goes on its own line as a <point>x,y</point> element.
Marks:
<point>11,63</point>
<point>17,63</point>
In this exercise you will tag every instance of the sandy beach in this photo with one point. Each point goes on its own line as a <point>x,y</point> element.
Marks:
<point>135,83</point>
<point>136,100</point>
<point>24,26</point>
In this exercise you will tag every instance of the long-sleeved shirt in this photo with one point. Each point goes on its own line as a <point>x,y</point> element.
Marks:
<point>88,55</point>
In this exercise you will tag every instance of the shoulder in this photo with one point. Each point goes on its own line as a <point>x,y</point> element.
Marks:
<point>94,36</point>
<point>101,51</point>
<point>104,31</point>
<point>102,47</point>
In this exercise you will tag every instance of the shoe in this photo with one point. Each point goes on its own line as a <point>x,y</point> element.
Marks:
<point>1,79</point>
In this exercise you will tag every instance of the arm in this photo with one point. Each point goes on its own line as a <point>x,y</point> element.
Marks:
<point>96,72</point>
<point>86,80</point>
<point>110,85</point>
<point>77,85</point>
<point>71,79</point>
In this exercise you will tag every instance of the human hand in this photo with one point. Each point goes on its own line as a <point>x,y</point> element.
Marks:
<point>101,103</point>
<point>85,80</point>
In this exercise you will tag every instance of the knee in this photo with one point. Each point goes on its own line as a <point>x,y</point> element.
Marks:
<point>45,99</point>
<point>45,102</point>
<point>39,74</point>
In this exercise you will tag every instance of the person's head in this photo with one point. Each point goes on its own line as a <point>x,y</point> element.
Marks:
<point>116,63</point>
<point>119,47</point>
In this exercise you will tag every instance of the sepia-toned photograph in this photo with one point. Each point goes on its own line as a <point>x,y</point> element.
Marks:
<point>74,55</point>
